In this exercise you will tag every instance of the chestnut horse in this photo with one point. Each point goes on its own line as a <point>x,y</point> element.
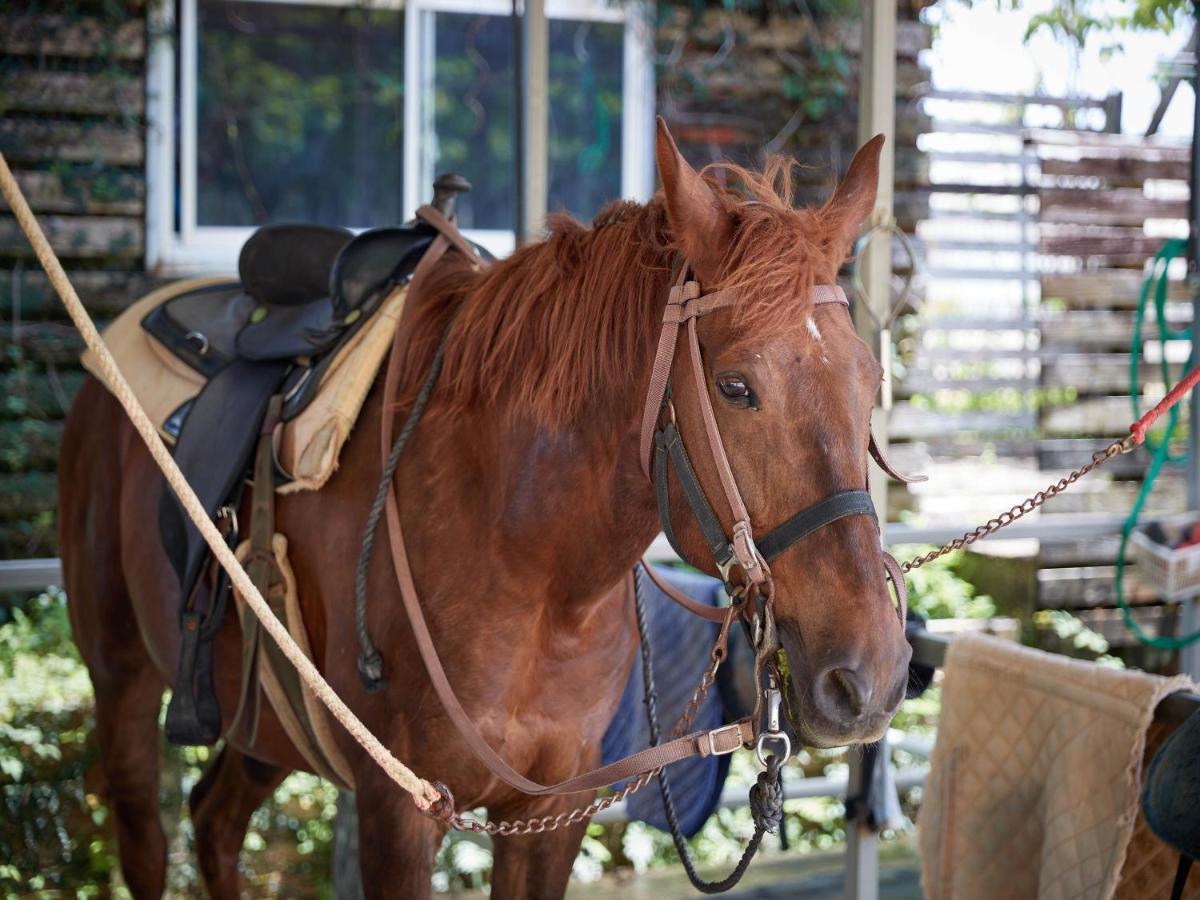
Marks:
<point>525,507</point>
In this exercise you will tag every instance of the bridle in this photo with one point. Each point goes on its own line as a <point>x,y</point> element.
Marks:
<point>736,552</point>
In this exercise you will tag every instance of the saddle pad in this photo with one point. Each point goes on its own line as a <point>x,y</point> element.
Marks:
<point>680,643</point>
<point>1036,773</point>
<point>308,446</point>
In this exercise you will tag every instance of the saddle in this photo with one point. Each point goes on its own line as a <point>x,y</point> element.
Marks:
<point>261,345</point>
<point>1172,796</point>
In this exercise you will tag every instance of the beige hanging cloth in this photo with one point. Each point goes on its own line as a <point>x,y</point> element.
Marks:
<point>1036,774</point>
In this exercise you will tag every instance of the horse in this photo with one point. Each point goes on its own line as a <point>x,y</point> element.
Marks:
<point>525,507</point>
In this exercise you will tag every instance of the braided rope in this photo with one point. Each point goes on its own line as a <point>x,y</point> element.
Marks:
<point>424,794</point>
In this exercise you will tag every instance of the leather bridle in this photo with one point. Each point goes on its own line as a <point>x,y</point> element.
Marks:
<point>736,552</point>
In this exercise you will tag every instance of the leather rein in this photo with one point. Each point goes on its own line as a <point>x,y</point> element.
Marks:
<point>739,552</point>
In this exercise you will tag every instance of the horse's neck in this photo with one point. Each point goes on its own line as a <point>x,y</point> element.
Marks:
<point>577,493</point>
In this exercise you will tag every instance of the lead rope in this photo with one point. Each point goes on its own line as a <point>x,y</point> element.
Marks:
<point>766,796</point>
<point>425,795</point>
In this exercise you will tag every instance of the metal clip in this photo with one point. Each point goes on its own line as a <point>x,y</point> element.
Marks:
<point>773,732</point>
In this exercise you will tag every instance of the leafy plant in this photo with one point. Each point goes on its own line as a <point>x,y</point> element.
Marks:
<point>937,591</point>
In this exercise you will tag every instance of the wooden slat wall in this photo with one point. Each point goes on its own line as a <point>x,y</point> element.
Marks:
<point>1105,203</point>
<point>744,103</point>
<point>72,125</point>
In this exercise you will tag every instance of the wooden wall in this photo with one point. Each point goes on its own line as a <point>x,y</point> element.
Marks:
<point>72,126</point>
<point>737,86</point>
<point>1107,202</point>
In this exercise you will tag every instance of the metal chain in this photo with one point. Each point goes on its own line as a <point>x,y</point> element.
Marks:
<point>1006,518</point>
<point>460,822</point>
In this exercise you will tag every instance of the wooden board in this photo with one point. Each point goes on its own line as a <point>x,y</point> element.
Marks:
<point>1118,206</point>
<point>56,343</point>
<point>1064,454</point>
<point>116,192</point>
<point>1117,171</point>
<point>76,237</point>
<point>31,140</point>
<point>68,36</point>
<point>1092,552</point>
<point>105,292</point>
<point>1104,289</point>
<point>1092,374</point>
<point>1107,246</point>
<point>38,394</point>
<point>77,93</point>
<point>1100,416</point>
<point>1154,620</point>
<point>1086,587</point>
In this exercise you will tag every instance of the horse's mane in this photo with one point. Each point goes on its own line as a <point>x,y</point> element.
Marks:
<point>551,329</point>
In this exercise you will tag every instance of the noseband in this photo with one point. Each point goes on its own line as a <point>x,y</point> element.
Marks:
<point>738,548</point>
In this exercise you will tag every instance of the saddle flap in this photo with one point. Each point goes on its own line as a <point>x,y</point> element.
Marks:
<point>287,332</point>
<point>286,265</point>
<point>201,326</point>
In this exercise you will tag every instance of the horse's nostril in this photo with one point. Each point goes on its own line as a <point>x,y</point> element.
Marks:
<point>848,690</point>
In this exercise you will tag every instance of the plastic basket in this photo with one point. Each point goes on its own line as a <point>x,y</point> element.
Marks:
<point>1175,574</point>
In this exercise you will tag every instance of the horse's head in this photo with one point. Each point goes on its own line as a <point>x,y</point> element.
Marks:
<point>792,387</point>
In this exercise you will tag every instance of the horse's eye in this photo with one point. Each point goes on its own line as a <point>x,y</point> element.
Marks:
<point>734,387</point>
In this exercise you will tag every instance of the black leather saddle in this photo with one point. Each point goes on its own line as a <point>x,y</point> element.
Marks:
<point>303,291</point>
<point>1171,800</point>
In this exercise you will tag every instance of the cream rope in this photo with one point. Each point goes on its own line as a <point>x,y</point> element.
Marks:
<point>424,793</point>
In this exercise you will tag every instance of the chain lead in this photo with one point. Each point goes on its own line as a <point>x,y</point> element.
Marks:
<point>1006,518</point>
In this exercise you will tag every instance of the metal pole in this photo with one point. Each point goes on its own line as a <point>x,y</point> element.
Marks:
<point>535,65</point>
<point>518,24</point>
<point>1189,657</point>
<point>876,115</point>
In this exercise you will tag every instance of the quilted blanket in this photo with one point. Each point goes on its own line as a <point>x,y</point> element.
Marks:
<point>1036,774</point>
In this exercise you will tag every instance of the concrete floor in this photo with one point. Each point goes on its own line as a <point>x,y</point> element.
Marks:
<point>779,875</point>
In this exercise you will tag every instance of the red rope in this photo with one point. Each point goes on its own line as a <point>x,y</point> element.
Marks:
<point>1139,428</point>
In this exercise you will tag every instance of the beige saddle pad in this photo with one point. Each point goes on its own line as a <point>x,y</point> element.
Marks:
<point>308,446</point>
<point>1036,776</point>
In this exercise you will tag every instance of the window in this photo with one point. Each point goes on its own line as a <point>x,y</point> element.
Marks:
<point>340,112</point>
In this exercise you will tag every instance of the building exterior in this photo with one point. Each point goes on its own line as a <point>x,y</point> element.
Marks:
<point>152,136</point>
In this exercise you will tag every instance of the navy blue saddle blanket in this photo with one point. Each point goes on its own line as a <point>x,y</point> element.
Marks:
<point>681,644</point>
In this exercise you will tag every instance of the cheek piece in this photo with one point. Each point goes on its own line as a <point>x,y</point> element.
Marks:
<point>742,560</point>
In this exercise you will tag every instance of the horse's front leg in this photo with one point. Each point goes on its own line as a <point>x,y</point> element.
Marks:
<point>537,865</point>
<point>396,842</point>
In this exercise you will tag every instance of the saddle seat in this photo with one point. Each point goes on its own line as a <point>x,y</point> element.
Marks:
<point>303,290</point>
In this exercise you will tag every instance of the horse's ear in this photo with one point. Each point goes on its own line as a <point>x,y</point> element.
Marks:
<point>854,199</point>
<point>699,220</point>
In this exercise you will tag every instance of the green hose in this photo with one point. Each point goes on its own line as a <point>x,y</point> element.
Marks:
<point>1156,281</point>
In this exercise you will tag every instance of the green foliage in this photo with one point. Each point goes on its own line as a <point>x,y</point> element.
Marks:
<point>52,834</point>
<point>937,591</point>
<point>1075,22</point>
<point>1068,635</point>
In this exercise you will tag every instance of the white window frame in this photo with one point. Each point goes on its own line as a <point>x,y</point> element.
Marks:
<point>193,249</point>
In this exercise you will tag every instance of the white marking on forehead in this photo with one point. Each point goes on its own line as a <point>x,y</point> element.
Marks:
<point>813,330</point>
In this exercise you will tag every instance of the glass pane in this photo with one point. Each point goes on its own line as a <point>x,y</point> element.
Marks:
<point>473,114</point>
<point>300,114</point>
<point>586,65</point>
